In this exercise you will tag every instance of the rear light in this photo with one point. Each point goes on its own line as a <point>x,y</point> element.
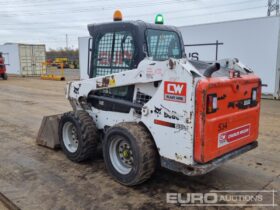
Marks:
<point>254,94</point>
<point>254,97</point>
<point>212,103</point>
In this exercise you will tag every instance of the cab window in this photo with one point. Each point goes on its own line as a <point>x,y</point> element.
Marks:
<point>163,44</point>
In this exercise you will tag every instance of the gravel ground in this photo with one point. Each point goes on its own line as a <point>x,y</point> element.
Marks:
<point>2,206</point>
<point>34,177</point>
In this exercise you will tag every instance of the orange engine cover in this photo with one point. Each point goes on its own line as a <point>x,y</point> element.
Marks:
<point>234,124</point>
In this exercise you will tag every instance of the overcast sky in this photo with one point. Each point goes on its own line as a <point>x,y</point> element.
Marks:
<point>48,21</point>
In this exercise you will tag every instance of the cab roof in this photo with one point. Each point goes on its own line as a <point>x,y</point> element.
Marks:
<point>135,24</point>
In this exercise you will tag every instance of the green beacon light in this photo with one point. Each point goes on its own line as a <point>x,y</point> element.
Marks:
<point>159,19</point>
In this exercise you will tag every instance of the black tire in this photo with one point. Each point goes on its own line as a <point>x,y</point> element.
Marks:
<point>86,135</point>
<point>142,148</point>
<point>5,76</point>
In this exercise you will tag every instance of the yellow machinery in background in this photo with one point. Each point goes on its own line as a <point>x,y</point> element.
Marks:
<point>68,64</point>
<point>58,61</point>
<point>50,72</point>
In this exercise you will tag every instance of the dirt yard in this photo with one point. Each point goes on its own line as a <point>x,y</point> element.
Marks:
<point>34,177</point>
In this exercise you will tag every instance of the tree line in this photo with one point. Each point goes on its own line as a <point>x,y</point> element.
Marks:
<point>71,54</point>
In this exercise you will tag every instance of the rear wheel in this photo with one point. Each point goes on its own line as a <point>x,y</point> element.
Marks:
<point>129,153</point>
<point>5,76</point>
<point>78,135</point>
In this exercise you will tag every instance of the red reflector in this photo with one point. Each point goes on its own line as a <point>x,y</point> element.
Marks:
<point>209,104</point>
<point>164,123</point>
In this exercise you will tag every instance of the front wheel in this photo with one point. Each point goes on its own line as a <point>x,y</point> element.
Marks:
<point>78,135</point>
<point>129,153</point>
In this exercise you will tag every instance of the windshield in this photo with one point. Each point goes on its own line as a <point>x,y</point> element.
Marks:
<point>163,44</point>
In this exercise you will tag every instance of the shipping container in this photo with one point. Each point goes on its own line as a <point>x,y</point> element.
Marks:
<point>24,59</point>
<point>255,42</point>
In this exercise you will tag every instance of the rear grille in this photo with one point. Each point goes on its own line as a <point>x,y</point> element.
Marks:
<point>141,98</point>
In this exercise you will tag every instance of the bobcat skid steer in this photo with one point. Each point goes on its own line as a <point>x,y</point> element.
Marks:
<point>147,104</point>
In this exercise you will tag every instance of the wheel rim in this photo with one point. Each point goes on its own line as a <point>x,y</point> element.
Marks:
<point>121,155</point>
<point>70,137</point>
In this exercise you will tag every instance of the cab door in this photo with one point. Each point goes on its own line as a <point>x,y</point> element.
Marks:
<point>113,52</point>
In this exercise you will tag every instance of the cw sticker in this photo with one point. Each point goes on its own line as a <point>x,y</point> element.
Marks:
<point>175,91</point>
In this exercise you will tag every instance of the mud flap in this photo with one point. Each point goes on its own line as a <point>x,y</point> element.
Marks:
<point>48,132</point>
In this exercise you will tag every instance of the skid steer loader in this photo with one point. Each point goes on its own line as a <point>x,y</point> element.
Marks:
<point>147,104</point>
<point>3,72</point>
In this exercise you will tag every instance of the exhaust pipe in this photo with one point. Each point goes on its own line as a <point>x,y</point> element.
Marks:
<point>211,69</point>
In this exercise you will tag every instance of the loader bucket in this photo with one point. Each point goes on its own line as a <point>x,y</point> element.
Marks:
<point>48,132</point>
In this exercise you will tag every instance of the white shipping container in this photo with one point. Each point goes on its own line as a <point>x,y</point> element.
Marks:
<point>24,59</point>
<point>255,42</point>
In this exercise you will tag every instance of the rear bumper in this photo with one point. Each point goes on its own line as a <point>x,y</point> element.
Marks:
<point>200,169</point>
